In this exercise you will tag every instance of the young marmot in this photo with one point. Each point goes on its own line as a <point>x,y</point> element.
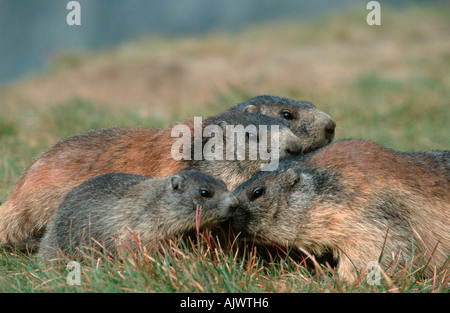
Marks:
<point>120,207</point>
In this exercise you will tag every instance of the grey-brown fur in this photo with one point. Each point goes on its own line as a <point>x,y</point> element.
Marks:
<point>138,150</point>
<point>356,199</point>
<point>234,172</point>
<point>118,206</point>
<point>314,127</point>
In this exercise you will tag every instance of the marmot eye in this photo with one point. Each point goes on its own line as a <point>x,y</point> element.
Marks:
<point>205,193</point>
<point>287,115</point>
<point>258,192</point>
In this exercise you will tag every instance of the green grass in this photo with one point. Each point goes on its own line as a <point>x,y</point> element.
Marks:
<point>405,114</point>
<point>390,84</point>
<point>205,265</point>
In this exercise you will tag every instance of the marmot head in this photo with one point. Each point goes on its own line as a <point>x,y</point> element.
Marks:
<point>255,128</point>
<point>314,127</point>
<point>264,209</point>
<point>198,199</point>
<point>233,146</point>
<point>279,207</point>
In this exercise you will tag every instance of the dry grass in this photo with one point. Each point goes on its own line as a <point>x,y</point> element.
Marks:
<point>204,263</point>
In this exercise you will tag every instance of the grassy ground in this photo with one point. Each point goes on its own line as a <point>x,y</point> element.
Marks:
<point>389,83</point>
<point>204,265</point>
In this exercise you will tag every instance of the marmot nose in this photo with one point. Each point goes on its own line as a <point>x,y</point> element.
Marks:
<point>329,129</point>
<point>231,203</point>
<point>294,146</point>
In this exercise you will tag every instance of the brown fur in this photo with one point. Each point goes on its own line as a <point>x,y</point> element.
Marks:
<point>142,151</point>
<point>358,200</point>
<point>55,172</point>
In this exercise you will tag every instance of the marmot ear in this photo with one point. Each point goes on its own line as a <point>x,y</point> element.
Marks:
<point>177,182</point>
<point>251,108</point>
<point>292,177</point>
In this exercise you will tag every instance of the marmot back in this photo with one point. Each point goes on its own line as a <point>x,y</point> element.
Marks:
<point>118,206</point>
<point>356,199</point>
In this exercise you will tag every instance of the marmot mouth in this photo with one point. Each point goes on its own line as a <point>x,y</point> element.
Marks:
<point>210,222</point>
<point>311,259</point>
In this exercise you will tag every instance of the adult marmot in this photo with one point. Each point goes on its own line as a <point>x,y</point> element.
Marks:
<point>356,199</point>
